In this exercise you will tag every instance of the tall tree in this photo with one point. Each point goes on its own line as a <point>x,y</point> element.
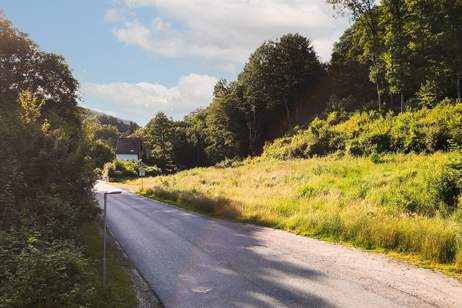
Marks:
<point>397,63</point>
<point>452,39</point>
<point>196,135</point>
<point>226,135</point>
<point>47,140</point>
<point>274,80</point>
<point>348,75</point>
<point>368,14</point>
<point>159,141</point>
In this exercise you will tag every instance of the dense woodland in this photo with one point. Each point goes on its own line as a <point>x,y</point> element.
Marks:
<point>402,55</point>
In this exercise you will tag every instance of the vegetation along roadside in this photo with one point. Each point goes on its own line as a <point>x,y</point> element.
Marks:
<point>49,244</point>
<point>406,205</point>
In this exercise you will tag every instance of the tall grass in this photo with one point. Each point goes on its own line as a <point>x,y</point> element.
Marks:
<point>397,204</point>
<point>119,291</point>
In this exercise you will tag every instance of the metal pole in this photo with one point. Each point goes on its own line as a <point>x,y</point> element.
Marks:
<point>104,243</point>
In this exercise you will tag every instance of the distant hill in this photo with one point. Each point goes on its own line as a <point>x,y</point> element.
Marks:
<point>122,125</point>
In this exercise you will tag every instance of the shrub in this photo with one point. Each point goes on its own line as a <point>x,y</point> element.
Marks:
<point>119,169</point>
<point>425,130</point>
<point>428,94</point>
<point>153,171</point>
<point>445,188</point>
<point>36,272</point>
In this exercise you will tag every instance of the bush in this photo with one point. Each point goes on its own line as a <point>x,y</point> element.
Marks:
<point>427,95</point>
<point>445,188</point>
<point>153,171</point>
<point>36,272</point>
<point>120,169</point>
<point>364,133</point>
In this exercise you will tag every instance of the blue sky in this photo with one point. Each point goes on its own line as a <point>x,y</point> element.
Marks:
<point>134,58</point>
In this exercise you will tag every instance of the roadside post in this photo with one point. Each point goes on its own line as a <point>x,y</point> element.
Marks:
<point>142,173</point>
<point>115,192</point>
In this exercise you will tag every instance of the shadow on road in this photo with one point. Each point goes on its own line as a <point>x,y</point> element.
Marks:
<point>209,262</point>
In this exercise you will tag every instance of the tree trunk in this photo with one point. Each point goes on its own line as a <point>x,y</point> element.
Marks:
<point>289,122</point>
<point>459,94</point>
<point>253,132</point>
<point>402,101</point>
<point>379,94</point>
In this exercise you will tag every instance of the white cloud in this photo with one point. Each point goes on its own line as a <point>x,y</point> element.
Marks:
<point>224,33</point>
<point>142,100</point>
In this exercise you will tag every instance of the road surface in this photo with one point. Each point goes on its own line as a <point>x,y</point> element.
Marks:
<point>194,261</point>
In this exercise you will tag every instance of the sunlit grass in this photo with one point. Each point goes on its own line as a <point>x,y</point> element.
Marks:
<point>119,291</point>
<point>350,200</point>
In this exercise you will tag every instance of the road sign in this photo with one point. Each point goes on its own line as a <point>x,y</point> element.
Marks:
<point>141,171</point>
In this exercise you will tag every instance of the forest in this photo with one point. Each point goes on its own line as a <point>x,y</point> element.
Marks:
<point>399,56</point>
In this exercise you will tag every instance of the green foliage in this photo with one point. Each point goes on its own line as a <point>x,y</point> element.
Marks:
<point>371,133</point>
<point>428,94</point>
<point>101,153</point>
<point>166,144</point>
<point>402,43</point>
<point>43,273</point>
<point>118,291</point>
<point>120,169</point>
<point>152,171</point>
<point>406,203</point>
<point>445,188</point>
<point>46,183</point>
<point>265,101</point>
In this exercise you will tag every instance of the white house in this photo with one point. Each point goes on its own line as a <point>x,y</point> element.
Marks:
<point>129,149</point>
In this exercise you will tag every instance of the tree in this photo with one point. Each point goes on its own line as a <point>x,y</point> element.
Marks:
<point>452,40</point>
<point>47,141</point>
<point>225,128</point>
<point>101,153</point>
<point>159,141</point>
<point>273,82</point>
<point>24,67</point>
<point>348,75</point>
<point>397,62</point>
<point>195,130</point>
<point>367,13</point>
<point>106,133</point>
<point>296,69</point>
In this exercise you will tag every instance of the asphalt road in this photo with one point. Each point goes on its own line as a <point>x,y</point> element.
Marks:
<point>194,261</point>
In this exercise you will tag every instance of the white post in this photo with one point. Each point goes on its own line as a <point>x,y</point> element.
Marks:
<point>104,278</point>
<point>104,242</point>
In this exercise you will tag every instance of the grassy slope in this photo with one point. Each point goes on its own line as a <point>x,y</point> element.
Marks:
<point>349,200</point>
<point>119,291</point>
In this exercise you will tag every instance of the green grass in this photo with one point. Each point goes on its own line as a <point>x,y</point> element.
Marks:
<point>119,291</point>
<point>390,206</point>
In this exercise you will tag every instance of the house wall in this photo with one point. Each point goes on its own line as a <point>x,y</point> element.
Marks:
<point>127,156</point>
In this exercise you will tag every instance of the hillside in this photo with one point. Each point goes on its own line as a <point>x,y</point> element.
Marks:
<point>376,180</point>
<point>122,126</point>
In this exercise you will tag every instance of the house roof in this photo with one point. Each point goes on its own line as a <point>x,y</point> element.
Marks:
<point>129,146</point>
